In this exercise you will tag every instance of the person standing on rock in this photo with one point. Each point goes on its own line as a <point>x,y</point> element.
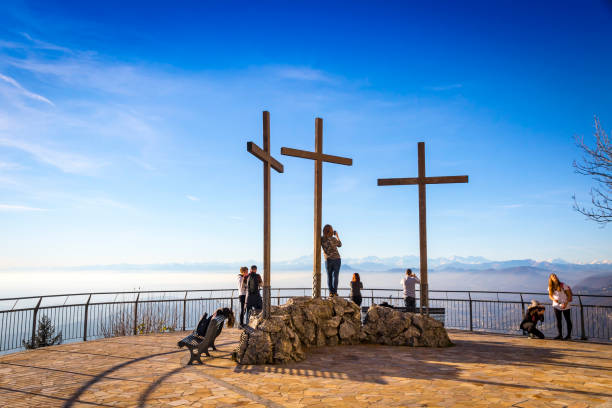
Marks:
<point>253,297</point>
<point>356,287</point>
<point>408,282</point>
<point>330,241</point>
<point>242,291</point>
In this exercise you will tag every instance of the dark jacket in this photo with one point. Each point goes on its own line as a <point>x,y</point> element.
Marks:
<point>258,281</point>
<point>531,317</point>
<point>356,289</point>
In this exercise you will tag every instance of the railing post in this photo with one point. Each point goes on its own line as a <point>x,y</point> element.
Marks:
<point>372,293</point>
<point>136,314</point>
<point>34,315</point>
<point>184,309</point>
<point>85,318</point>
<point>523,309</point>
<point>582,333</point>
<point>471,322</point>
<point>232,301</point>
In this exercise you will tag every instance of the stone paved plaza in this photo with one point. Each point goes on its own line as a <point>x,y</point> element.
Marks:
<point>481,370</point>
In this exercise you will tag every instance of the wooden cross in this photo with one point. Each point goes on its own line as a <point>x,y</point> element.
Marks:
<point>268,161</point>
<point>421,180</point>
<point>319,157</point>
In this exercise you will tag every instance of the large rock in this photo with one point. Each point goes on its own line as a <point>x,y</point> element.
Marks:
<point>384,325</point>
<point>300,323</point>
<point>305,322</point>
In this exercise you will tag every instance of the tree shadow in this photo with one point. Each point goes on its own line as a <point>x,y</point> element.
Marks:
<point>104,374</point>
<point>370,364</point>
<point>142,399</point>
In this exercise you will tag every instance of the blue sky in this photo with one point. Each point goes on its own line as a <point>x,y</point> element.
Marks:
<point>123,127</point>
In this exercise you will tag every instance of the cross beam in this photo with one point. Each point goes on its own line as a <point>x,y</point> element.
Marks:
<point>422,181</point>
<point>268,161</point>
<point>319,157</point>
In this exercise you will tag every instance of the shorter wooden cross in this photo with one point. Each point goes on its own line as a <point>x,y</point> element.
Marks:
<point>268,161</point>
<point>319,157</point>
<point>422,181</point>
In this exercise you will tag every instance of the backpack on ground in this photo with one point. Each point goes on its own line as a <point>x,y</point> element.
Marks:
<point>253,285</point>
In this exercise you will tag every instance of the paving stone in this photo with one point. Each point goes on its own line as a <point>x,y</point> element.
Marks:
<point>481,370</point>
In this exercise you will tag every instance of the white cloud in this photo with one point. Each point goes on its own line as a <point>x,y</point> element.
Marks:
<point>445,87</point>
<point>67,162</point>
<point>510,206</point>
<point>145,165</point>
<point>304,74</point>
<point>44,45</point>
<point>24,91</point>
<point>192,198</point>
<point>10,166</point>
<point>101,202</point>
<point>10,207</point>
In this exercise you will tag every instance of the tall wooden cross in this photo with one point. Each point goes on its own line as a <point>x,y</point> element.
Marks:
<point>422,181</point>
<point>268,161</point>
<point>319,157</point>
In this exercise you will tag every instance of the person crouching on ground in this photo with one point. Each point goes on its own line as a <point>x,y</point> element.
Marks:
<point>408,283</point>
<point>535,313</point>
<point>356,287</point>
<point>242,291</point>
<point>561,296</point>
<point>330,241</point>
<point>253,297</point>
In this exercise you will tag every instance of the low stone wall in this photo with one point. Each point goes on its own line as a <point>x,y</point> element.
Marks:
<point>305,322</point>
<point>384,325</point>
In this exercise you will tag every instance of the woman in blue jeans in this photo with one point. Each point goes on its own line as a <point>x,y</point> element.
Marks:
<point>330,241</point>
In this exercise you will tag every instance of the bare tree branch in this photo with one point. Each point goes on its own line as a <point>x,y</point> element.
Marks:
<point>596,163</point>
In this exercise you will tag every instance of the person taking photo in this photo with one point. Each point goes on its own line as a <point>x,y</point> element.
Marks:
<point>330,242</point>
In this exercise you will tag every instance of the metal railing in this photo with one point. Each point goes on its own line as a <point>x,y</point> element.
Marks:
<point>86,316</point>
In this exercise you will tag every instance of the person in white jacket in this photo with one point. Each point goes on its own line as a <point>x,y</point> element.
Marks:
<point>244,271</point>
<point>561,295</point>
<point>408,282</point>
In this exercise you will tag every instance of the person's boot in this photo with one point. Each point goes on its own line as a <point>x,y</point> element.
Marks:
<point>559,337</point>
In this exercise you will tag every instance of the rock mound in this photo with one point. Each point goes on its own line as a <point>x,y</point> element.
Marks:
<point>300,323</point>
<point>384,325</point>
<point>304,322</point>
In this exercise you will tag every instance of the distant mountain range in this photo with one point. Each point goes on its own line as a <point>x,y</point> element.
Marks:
<point>596,285</point>
<point>474,272</point>
<point>455,263</point>
<point>374,264</point>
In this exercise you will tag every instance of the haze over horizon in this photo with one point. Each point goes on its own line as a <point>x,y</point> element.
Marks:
<point>305,262</point>
<point>123,134</point>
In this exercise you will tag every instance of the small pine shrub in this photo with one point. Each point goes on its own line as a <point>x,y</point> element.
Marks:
<point>45,335</point>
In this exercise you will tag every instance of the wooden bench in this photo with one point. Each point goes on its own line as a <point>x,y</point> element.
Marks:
<point>203,337</point>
